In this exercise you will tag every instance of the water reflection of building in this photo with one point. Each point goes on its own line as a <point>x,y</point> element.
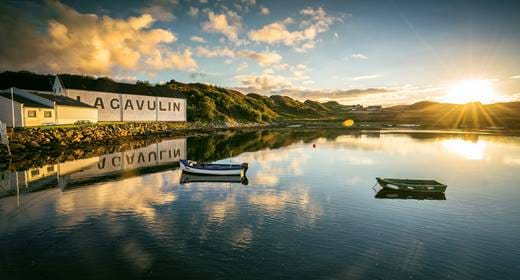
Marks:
<point>153,157</point>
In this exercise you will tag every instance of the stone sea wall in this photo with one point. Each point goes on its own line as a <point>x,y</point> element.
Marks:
<point>28,141</point>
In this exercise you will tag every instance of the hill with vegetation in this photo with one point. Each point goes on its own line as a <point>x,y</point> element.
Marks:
<point>26,80</point>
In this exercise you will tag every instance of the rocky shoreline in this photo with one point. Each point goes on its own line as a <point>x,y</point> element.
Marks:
<point>63,140</point>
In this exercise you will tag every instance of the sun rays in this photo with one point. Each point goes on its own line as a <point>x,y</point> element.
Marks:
<point>482,91</point>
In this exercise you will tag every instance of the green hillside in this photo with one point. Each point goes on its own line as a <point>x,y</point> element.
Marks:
<point>211,103</point>
<point>317,106</point>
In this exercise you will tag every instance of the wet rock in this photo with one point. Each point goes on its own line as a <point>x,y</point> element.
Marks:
<point>17,147</point>
<point>34,145</point>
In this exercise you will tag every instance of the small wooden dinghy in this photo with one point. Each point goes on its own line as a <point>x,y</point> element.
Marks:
<point>412,185</point>
<point>197,178</point>
<point>194,167</point>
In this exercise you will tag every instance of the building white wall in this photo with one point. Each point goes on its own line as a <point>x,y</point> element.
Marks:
<point>40,118</point>
<point>171,109</point>
<point>72,114</point>
<point>127,107</point>
<point>108,104</point>
<point>139,108</point>
<point>6,112</point>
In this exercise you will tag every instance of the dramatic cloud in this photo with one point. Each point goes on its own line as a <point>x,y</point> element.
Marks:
<point>262,83</point>
<point>161,10</point>
<point>167,60</point>
<point>262,58</point>
<point>89,44</point>
<point>316,21</point>
<point>264,10</point>
<point>197,39</point>
<point>515,77</point>
<point>270,84</point>
<point>215,52</point>
<point>325,95</point>
<point>227,24</point>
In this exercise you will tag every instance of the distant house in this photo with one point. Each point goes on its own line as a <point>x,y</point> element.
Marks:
<point>374,108</point>
<point>37,108</point>
<point>356,107</point>
<point>121,101</point>
<point>68,110</point>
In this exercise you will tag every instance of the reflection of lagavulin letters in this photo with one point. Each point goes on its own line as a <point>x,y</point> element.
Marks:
<point>162,153</point>
<point>158,154</point>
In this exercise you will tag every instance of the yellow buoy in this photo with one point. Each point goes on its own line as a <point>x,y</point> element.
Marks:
<point>348,123</point>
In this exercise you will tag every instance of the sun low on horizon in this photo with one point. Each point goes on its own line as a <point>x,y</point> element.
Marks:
<point>472,90</point>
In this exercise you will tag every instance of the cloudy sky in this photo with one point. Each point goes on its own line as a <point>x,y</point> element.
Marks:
<point>353,51</point>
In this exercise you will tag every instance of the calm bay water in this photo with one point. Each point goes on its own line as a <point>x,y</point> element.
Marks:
<point>306,213</point>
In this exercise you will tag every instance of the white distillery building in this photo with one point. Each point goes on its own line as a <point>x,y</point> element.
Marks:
<point>31,108</point>
<point>121,101</point>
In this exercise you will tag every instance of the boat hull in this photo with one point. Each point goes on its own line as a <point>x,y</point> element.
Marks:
<point>386,193</point>
<point>235,171</point>
<point>425,186</point>
<point>196,178</point>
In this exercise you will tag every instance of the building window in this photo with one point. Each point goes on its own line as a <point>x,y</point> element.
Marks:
<point>78,98</point>
<point>35,172</point>
<point>31,113</point>
<point>50,168</point>
<point>47,114</point>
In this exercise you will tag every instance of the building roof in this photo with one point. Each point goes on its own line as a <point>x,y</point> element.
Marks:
<point>107,85</point>
<point>25,101</point>
<point>63,100</point>
<point>26,80</point>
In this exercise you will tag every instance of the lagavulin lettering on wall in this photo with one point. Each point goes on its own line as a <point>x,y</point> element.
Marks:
<point>129,104</point>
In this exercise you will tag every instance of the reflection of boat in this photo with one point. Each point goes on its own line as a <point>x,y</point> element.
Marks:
<point>196,178</point>
<point>409,185</point>
<point>213,168</point>
<point>393,194</point>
